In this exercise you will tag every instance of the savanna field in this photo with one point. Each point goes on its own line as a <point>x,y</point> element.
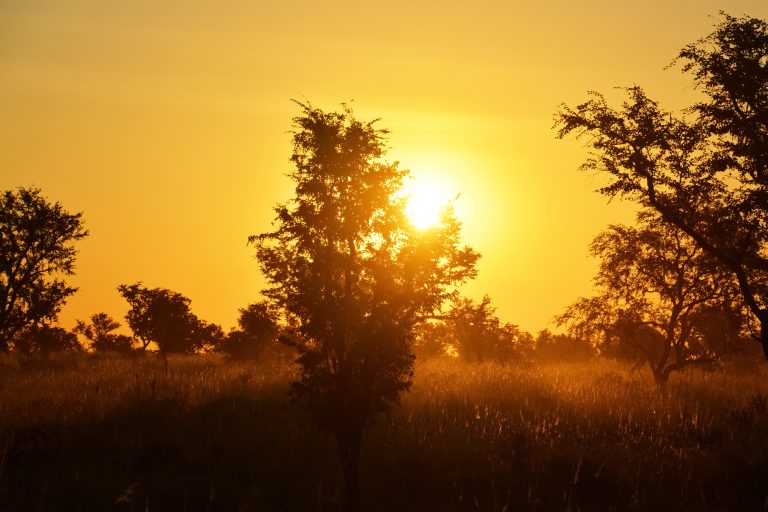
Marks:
<point>89,432</point>
<point>411,257</point>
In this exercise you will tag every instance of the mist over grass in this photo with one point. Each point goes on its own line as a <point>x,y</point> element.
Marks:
<point>85,432</point>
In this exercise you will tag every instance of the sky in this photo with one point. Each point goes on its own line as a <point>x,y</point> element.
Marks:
<point>167,124</point>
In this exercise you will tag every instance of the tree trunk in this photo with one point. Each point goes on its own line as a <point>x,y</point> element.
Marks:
<point>349,452</point>
<point>764,334</point>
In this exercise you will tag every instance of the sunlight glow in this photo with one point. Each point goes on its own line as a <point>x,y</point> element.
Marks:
<point>426,201</point>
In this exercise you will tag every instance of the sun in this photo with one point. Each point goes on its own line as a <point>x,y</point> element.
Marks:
<point>425,203</point>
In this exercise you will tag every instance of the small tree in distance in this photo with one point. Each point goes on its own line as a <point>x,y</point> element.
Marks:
<point>352,276</point>
<point>475,333</point>
<point>45,339</point>
<point>163,317</point>
<point>556,347</point>
<point>99,334</point>
<point>257,335</point>
<point>36,249</point>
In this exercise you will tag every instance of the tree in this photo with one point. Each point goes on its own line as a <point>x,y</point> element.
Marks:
<point>99,334</point>
<point>550,346</point>
<point>706,174</point>
<point>257,334</point>
<point>352,276</point>
<point>477,334</point>
<point>44,339</point>
<point>36,249</point>
<point>163,316</point>
<point>430,340</point>
<point>660,298</point>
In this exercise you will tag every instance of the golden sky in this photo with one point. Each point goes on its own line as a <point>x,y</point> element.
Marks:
<point>166,123</point>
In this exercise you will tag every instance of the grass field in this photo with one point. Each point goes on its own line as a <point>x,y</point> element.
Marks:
<point>102,433</point>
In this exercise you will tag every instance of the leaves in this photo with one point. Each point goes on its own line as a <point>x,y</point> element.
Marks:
<point>706,173</point>
<point>349,273</point>
<point>163,316</point>
<point>36,249</point>
<point>660,297</point>
<point>473,330</point>
<point>100,334</point>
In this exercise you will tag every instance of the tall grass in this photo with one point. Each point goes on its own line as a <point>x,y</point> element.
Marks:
<point>100,433</point>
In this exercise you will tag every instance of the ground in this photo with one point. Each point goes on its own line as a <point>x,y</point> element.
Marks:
<point>86,432</point>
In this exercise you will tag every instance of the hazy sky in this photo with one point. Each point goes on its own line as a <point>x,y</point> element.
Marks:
<point>167,123</point>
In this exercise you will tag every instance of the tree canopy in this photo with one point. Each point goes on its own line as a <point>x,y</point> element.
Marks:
<point>704,172</point>
<point>472,330</point>
<point>257,334</point>
<point>44,339</point>
<point>101,336</point>
<point>37,249</point>
<point>660,298</point>
<point>352,276</point>
<point>163,316</point>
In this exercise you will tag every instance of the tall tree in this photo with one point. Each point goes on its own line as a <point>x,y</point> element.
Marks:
<point>163,316</point>
<point>706,174</point>
<point>36,249</point>
<point>352,276</point>
<point>660,298</point>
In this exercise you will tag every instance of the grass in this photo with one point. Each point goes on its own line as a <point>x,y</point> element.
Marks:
<point>104,433</point>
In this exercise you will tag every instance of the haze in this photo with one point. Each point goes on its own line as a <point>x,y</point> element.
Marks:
<point>166,124</point>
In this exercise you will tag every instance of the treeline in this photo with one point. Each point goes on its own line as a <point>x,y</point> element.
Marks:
<point>39,238</point>
<point>661,300</point>
<point>39,248</point>
<point>162,322</point>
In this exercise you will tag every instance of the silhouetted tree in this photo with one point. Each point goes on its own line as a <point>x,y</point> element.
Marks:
<point>477,334</point>
<point>707,175</point>
<point>429,340</point>
<point>257,334</point>
<point>163,316</point>
<point>551,346</point>
<point>99,334</point>
<point>211,335</point>
<point>660,297</point>
<point>36,248</point>
<point>352,276</point>
<point>44,339</point>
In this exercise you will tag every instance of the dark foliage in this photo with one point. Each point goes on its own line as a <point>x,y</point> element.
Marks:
<point>706,174</point>
<point>43,339</point>
<point>99,334</point>
<point>36,249</point>
<point>352,276</point>
<point>472,331</point>
<point>257,336</point>
<point>661,299</point>
<point>163,316</point>
<point>551,347</point>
